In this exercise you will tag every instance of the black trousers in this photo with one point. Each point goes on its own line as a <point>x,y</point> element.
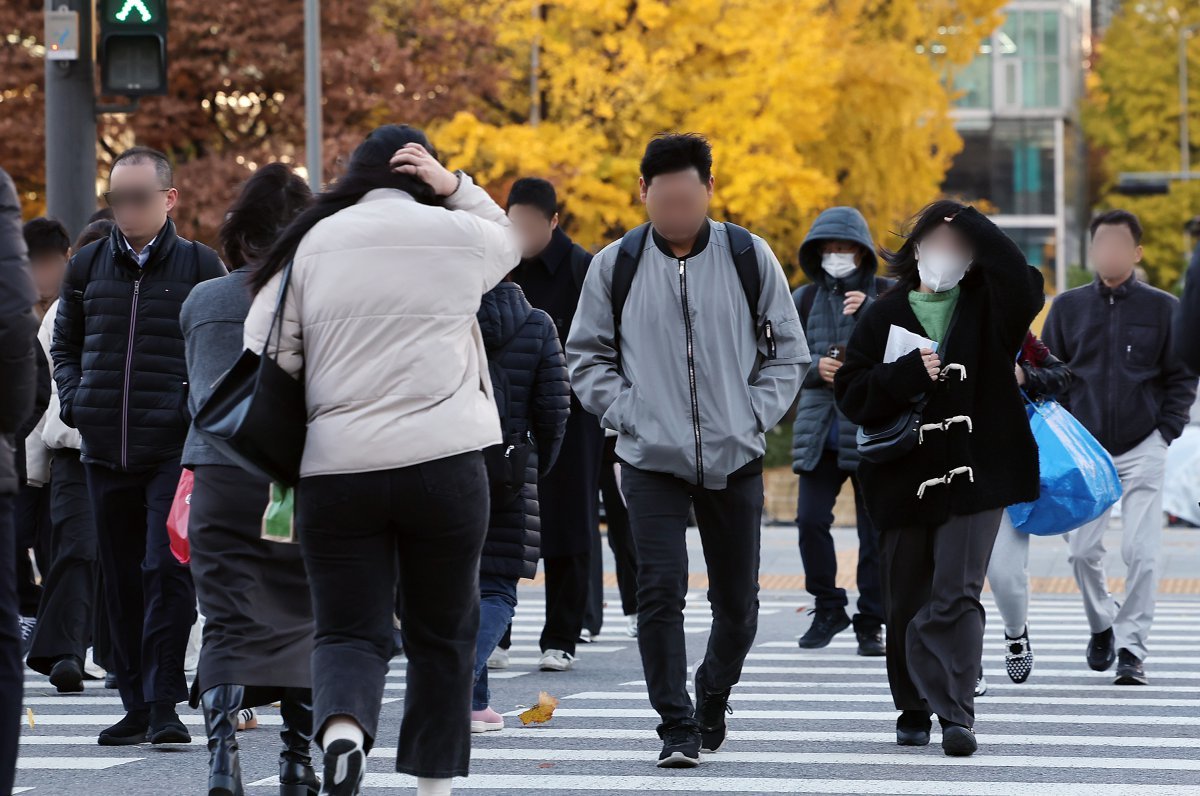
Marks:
<point>814,517</point>
<point>568,583</point>
<point>65,619</point>
<point>932,579</point>
<point>11,675</point>
<point>33,532</point>
<point>730,522</point>
<point>350,528</point>
<point>149,596</point>
<point>620,541</point>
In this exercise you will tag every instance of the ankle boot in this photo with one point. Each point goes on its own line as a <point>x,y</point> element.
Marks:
<point>296,774</point>
<point>221,705</point>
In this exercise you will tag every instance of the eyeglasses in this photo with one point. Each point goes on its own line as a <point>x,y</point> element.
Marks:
<point>137,198</point>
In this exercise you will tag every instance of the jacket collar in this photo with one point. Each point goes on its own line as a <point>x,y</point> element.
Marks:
<point>161,248</point>
<point>376,194</point>
<point>1120,291</point>
<point>556,252</point>
<point>699,246</point>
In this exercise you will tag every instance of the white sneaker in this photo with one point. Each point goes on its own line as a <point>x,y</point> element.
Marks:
<point>498,659</point>
<point>586,637</point>
<point>981,686</point>
<point>631,629</point>
<point>556,661</point>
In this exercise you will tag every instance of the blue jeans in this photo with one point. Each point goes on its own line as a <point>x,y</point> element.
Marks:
<point>497,604</point>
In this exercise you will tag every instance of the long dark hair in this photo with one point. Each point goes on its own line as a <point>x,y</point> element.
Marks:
<point>902,263</point>
<point>268,201</point>
<point>369,169</point>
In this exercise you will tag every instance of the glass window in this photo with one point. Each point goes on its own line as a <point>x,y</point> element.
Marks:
<point>1009,168</point>
<point>975,82</point>
<point>1031,53</point>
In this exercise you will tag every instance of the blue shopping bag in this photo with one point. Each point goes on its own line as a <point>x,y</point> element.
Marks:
<point>1078,478</point>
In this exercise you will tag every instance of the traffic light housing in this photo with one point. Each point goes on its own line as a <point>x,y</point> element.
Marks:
<point>133,47</point>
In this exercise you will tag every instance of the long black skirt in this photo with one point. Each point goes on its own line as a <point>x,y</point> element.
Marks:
<point>253,593</point>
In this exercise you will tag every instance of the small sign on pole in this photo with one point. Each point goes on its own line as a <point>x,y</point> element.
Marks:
<point>62,35</point>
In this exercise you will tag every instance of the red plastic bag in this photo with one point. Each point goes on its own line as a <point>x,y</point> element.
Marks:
<point>177,520</point>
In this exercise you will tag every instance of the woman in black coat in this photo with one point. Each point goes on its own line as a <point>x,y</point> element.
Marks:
<point>533,395</point>
<point>966,286</point>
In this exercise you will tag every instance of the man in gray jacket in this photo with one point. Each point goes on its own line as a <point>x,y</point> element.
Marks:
<point>687,344</point>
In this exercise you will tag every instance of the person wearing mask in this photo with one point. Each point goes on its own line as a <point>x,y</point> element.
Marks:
<point>697,356</point>
<point>551,273</point>
<point>965,288</point>
<point>122,382</point>
<point>66,617</point>
<point>49,246</point>
<point>18,378</point>
<point>1041,376</point>
<point>253,592</point>
<point>838,257</point>
<point>389,269</point>
<point>1134,394</point>
<point>529,380</point>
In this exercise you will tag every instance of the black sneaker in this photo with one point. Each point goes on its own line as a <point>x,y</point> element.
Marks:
<point>67,675</point>
<point>110,681</point>
<point>28,625</point>
<point>165,726</point>
<point>345,766</point>
<point>1018,656</point>
<point>958,741</point>
<point>1101,652</point>
<point>681,744</point>
<point>912,728</point>
<point>825,625</point>
<point>711,707</point>
<point>1129,669</point>
<point>129,731</point>
<point>870,641</point>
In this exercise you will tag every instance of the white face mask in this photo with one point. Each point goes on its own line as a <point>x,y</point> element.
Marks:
<point>839,265</point>
<point>940,270</point>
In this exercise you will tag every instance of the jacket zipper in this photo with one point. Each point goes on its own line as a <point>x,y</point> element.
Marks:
<point>1111,423</point>
<point>691,360</point>
<point>133,313</point>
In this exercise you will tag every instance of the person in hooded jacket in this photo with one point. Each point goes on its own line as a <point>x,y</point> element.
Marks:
<point>533,395</point>
<point>838,257</point>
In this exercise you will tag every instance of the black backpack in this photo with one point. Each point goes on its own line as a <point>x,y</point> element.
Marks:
<point>745,260</point>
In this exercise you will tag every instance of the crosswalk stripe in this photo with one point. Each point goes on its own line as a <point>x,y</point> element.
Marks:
<point>1038,646</point>
<point>876,716</point>
<point>1033,699</point>
<point>1005,687</point>
<point>105,719</point>
<point>72,763</point>
<point>29,739</point>
<point>816,667</point>
<point>841,658</point>
<point>558,783</point>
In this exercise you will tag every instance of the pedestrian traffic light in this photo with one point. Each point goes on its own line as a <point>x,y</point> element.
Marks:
<point>133,47</point>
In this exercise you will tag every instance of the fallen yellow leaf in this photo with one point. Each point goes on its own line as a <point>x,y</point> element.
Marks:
<point>29,715</point>
<point>542,712</point>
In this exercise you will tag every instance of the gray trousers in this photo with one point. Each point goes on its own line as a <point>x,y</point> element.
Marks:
<point>932,579</point>
<point>1008,575</point>
<point>1141,471</point>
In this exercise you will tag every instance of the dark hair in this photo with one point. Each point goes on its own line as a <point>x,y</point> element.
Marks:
<point>144,154</point>
<point>46,236</point>
<point>1118,218</point>
<point>103,214</point>
<point>535,192</point>
<point>97,230</point>
<point>902,263</point>
<point>369,169</point>
<point>267,202</point>
<point>670,153</point>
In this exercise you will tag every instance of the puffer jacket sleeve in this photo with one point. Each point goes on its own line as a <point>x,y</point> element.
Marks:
<point>287,346</point>
<point>551,397</point>
<point>18,325</point>
<point>66,348</point>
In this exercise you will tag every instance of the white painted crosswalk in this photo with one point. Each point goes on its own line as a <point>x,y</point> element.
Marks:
<point>807,722</point>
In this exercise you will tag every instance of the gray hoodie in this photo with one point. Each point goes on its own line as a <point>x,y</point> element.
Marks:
<point>648,397</point>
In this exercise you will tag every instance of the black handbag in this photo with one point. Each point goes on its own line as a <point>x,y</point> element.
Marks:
<point>507,461</point>
<point>892,439</point>
<point>256,414</point>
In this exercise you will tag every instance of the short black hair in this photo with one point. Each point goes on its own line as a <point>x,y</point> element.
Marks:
<point>1118,218</point>
<point>46,236</point>
<point>103,214</point>
<point>535,192</point>
<point>670,153</point>
<point>97,230</point>
<point>144,154</point>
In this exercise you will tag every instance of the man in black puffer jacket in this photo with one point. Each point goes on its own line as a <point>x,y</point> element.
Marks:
<point>529,375</point>
<point>18,330</point>
<point>122,381</point>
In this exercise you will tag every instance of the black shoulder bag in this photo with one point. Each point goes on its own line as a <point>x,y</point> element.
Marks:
<point>256,414</point>
<point>890,440</point>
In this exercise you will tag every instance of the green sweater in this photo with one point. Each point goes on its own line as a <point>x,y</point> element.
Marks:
<point>933,310</point>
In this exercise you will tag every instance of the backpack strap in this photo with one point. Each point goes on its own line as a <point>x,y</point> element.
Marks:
<point>78,278</point>
<point>745,260</point>
<point>629,254</point>
<point>808,297</point>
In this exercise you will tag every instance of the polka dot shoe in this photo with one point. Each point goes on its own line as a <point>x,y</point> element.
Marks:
<point>1018,657</point>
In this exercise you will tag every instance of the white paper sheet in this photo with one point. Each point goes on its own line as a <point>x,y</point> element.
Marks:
<point>900,341</point>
